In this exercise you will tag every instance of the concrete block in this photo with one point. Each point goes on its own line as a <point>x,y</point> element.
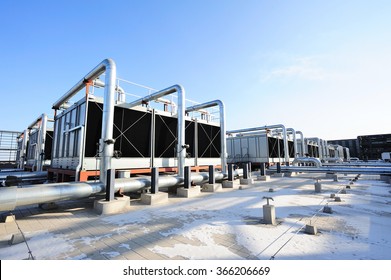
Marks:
<point>278,175</point>
<point>9,219</point>
<point>330,175</point>
<point>263,178</point>
<point>269,214</point>
<point>385,178</point>
<point>290,174</point>
<point>343,191</point>
<point>16,239</point>
<point>311,229</point>
<point>211,187</point>
<point>154,198</point>
<point>332,195</point>
<point>118,205</point>
<point>318,187</point>
<point>327,209</point>
<point>249,181</point>
<point>337,199</point>
<point>190,192</point>
<point>123,174</point>
<point>228,184</point>
<point>271,190</point>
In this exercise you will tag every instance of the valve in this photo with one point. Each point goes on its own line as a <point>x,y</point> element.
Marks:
<point>267,198</point>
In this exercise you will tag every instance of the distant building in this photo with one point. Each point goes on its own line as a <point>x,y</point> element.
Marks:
<point>366,147</point>
<point>372,146</point>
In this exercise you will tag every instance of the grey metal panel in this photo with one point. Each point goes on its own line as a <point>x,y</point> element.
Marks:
<point>252,148</point>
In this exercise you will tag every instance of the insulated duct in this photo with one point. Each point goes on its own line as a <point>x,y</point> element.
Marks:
<point>12,197</point>
<point>302,143</point>
<point>22,151</point>
<point>339,169</point>
<point>293,132</point>
<point>320,146</point>
<point>120,90</point>
<point>312,160</point>
<point>223,152</point>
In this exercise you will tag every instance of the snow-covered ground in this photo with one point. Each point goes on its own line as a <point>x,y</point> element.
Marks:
<point>227,225</point>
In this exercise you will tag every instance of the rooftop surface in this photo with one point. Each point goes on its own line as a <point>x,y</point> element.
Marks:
<point>224,225</point>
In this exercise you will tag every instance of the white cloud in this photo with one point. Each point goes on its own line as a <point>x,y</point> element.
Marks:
<point>304,68</point>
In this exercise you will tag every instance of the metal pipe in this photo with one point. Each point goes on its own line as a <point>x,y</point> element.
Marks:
<point>121,92</point>
<point>333,159</point>
<point>341,169</point>
<point>325,148</point>
<point>320,146</point>
<point>11,170</point>
<point>106,141</point>
<point>293,132</point>
<point>22,151</point>
<point>294,141</point>
<point>181,147</point>
<point>265,128</point>
<point>307,160</point>
<point>81,156</point>
<point>24,175</point>
<point>12,197</point>
<point>223,135</point>
<point>302,143</point>
<point>41,142</point>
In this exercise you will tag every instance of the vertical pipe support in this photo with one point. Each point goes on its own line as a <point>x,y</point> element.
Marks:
<point>154,180</point>
<point>187,179</point>
<point>245,171</point>
<point>278,167</point>
<point>263,173</point>
<point>212,179</point>
<point>230,172</point>
<point>302,143</point>
<point>110,180</point>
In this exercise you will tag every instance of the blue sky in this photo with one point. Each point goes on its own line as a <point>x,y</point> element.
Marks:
<point>321,67</point>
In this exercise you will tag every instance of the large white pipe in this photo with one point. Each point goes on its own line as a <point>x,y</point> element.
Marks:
<point>106,141</point>
<point>339,169</point>
<point>315,161</point>
<point>181,148</point>
<point>293,132</point>
<point>41,142</point>
<point>285,138</point>
<point>223,148</point>
<point>320,146</point>
<point>118,89</point>
<point>12,197</point>
<point>22,151</point>
<point>302,143</point>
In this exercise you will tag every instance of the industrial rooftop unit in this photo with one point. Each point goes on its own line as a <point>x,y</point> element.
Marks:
<point>144,138</point>
<point>258,148</point>
<point>35,145</point>
<point>8,148</point>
